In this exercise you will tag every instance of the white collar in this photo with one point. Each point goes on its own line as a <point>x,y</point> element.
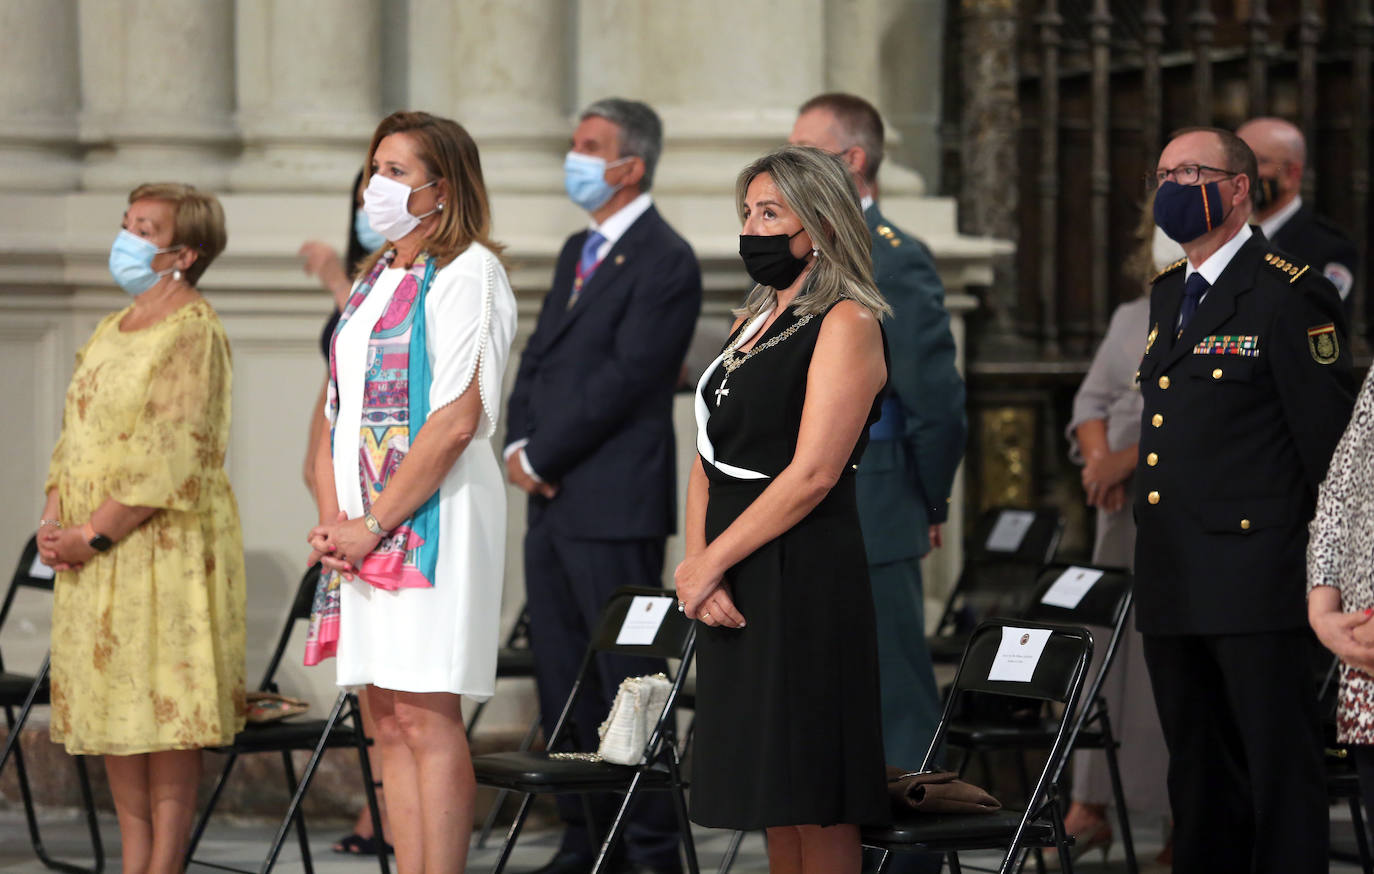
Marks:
<point>614,227</point>
<point>865,202</point>
<point>1212,268</point>
<point>1271,225</point>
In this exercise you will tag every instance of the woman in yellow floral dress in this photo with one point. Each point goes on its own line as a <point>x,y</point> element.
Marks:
<point>148,629</point>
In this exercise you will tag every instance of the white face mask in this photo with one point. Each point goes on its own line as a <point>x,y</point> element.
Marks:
<point>386,203</point>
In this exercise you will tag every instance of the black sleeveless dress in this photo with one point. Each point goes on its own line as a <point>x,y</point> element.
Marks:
<point>788,727</point>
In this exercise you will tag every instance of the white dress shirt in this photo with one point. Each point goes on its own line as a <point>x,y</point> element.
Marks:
<point>1212,268</point>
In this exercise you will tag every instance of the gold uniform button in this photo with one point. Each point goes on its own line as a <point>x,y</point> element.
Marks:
<point>1153,497</point>
<point>1157,420</point>
<point>1245,525</point>
<point>1164,382</point>
<point>1216,374</point>
<point>1152,459</point>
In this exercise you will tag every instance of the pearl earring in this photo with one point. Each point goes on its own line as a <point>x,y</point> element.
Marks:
<point>439,206</point>
<point>815,252</point>
<point>176,274</point>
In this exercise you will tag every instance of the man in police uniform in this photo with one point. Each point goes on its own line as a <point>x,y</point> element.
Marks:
<point>1247,386</point>
<point>906,474</point>
<point>1291,225</point>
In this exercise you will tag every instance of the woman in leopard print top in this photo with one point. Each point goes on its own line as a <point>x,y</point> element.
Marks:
<point>1340,581</point>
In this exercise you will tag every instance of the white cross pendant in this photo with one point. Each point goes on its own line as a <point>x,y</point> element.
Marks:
<point>722,391</point>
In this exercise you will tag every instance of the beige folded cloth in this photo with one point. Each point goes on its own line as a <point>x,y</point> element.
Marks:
<point>936,792</point>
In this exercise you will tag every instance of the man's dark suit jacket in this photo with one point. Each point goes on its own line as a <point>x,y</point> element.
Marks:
<point>1241,415</point>
<point>594,392</point>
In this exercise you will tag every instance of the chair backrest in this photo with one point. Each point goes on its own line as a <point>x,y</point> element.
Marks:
<point>1057,675</point>
<point>671,636</point>
<point>29,572</point>
<point>1016,535</point>
<point>299,611</point>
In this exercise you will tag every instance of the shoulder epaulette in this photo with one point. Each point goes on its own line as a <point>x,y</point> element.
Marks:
<point>1287,268</point>
<point>1167,270</point>
<point>886,232</point>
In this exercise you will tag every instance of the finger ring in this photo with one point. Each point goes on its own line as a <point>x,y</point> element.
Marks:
<point>681,606</point>
<point>705,615</point>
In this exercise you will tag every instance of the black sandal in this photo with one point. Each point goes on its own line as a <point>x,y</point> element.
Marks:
<point>356,845</point>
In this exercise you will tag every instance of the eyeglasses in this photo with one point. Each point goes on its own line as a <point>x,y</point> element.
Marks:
<point>1184,174</point>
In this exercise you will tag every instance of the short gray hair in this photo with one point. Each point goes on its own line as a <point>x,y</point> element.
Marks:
<point>641,131</point>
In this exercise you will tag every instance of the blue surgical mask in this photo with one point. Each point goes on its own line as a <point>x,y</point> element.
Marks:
<point>584,177</point>
<point>1186,212</point>
<point>131,262</point>
<point>362,229</point>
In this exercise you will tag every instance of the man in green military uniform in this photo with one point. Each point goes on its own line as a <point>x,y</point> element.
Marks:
<point>906,474</point>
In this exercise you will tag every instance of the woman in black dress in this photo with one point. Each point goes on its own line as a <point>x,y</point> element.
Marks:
<point>788,734</point>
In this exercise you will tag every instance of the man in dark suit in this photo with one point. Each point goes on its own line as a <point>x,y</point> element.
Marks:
<point>1291,225</point>
<point>1247,386</point>
<point>590,439</point>
<point>907,471</point>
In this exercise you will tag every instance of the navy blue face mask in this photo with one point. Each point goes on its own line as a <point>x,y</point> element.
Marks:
<point>1186,212</point>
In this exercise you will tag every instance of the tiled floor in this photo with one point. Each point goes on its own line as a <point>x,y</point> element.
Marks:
<point>244,843</point>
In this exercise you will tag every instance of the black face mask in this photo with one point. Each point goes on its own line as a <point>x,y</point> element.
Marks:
<point>769,259</point>
<point>1266,192</point>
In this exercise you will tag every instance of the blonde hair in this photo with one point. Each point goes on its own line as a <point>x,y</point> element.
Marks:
<point>1140,264</point>
<point>818,188</point>
<point>197,221</point>
<point>448,153</point>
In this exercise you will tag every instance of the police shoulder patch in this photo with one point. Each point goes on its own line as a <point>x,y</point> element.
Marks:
<point>1167,270</point>
<point>1322,343</point>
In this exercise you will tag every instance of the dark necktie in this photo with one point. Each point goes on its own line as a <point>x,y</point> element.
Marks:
<point>586,265</point>
<point>1193,290</point>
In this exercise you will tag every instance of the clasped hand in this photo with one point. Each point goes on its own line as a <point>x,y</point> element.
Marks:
<point>341,545</point>
<point>1350,636</point>
<point>63,549</point>
<point>704,593</point>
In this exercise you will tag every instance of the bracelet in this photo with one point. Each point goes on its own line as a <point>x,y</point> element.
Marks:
<point>373,525</point>
<point>56,523</point>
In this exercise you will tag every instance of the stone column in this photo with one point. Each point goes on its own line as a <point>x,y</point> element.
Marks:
<point>500,68</point>
<point>309,87</point>
<point>38,105</point>
<point>726,76</point>
<point>889,53</point>
<point>989,126</point>
<point>157,80</point>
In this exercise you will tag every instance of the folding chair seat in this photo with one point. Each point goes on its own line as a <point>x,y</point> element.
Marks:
<point>343,727</point>
<point>27,691</point>
<point>1056,676</point>
<point>1105,605</point>
<point>1008,548</point>
<point>556,773</point>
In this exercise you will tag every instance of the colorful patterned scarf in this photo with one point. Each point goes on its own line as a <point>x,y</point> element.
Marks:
<point>396,393</point>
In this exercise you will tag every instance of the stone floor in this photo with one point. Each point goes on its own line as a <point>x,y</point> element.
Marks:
<point>243,844</point>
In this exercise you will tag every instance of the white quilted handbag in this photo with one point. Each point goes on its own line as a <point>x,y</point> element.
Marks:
<point>638,704</point>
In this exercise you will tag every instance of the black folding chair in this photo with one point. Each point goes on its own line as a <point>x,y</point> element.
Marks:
<point>1001,562</point>
<point>555,773</point>
<point>288,735</point>
<point>1057,676</point>
<point>27,691</point>
<point>1105,605</point>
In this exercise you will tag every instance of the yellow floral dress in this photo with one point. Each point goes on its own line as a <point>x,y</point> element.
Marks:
<point>148,638</point>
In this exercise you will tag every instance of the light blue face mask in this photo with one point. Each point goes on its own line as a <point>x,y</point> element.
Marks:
<point>584,177</point>
<point>131,262</point>
<point>362,229</point>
